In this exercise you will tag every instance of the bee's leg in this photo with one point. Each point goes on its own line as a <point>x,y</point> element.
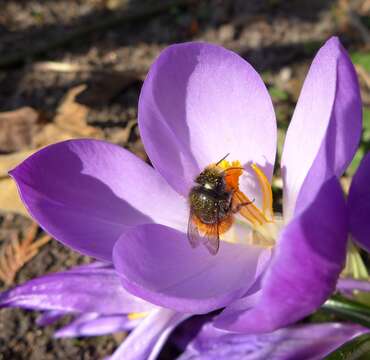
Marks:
<point>241,205</point>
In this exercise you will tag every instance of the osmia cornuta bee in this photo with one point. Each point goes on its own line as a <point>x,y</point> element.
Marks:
<point>213,202</point>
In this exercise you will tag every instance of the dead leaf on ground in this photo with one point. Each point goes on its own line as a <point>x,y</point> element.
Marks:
<point>17,128</point>
<point>69,122</point>
<point>25,128</point>
<point>9,197</point>
<point>14,254</point>
<point>122,136</point>
<point>10,161</point>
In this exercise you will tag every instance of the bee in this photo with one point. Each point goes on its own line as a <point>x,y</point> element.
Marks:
<point>212,206</point>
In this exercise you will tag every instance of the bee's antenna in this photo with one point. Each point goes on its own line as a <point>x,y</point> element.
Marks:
<point>219,161</point>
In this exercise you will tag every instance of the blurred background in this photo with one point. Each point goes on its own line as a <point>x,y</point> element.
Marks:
<point>74,68</point>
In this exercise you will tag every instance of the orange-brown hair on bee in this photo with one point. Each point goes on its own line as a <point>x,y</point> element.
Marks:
<point>209,230</point>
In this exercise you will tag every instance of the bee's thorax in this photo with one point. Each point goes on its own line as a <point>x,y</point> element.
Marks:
<point>209,186</point>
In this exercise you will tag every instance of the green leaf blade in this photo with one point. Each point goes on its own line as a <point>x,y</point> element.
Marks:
<point>355,349</point>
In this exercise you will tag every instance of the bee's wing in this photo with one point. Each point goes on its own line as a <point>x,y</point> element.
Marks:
<point>193,233</point>
<point>210,239</point>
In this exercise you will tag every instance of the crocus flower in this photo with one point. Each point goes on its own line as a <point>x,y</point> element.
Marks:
<point>198,103</point>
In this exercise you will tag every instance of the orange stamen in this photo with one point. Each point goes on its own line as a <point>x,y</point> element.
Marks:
<point>254,215</point>
<point>266,192</point>
<point>250,211</point>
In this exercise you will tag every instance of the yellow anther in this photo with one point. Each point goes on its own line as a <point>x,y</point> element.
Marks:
<point>137,315</point>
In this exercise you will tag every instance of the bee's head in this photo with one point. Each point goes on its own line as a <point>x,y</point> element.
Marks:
<point>212,179</point>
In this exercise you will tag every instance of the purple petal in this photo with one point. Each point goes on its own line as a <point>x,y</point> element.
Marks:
<point>353,284</point>
<point>309,257</point>
<point>299,342</point>
<point>146,340</point>
<point>325,129</point>
<point>86,193</point>
<point>94,324</point>
<point>49,317</point>
<point>158,264</point>
<point>79,290</point>
<point>359,204</point>
<point>200,102</point>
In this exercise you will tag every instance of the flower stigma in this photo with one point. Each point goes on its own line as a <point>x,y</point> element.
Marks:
<point>258,225</point>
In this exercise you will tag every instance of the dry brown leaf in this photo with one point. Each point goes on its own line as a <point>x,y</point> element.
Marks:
<point>17,129</point>
<point>22,128</point>
<point>122,136</point>
<point>18,252</point>
<point>8,162</point>
<point>69,122</point>
<point>9,198</point>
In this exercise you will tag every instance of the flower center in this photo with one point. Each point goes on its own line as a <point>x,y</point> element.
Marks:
<point>259,224</point>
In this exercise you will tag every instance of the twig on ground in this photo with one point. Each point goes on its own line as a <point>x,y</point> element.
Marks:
<point>17,253</point>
